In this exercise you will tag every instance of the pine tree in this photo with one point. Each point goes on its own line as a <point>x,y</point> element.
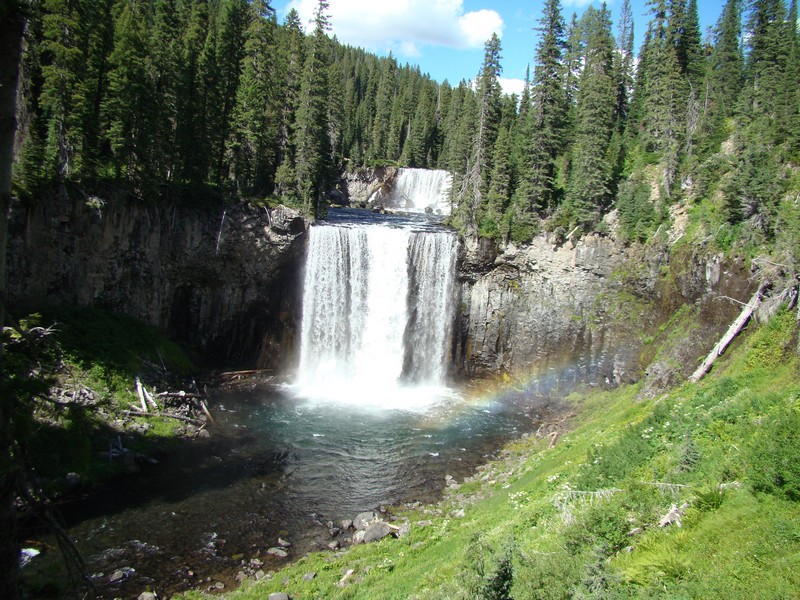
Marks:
<point>256,114</point>
<point>417,144</point>
<point>461,153</point>
<point>337,115</point>
<point>234,21</point>
<point>492,224</point>
<point>573,60</point>
<point>29,171</point>
<point>766,66</point>
<point>450,155</point>
<point>209,110</point>
<point>383,110</point>
<point>314,161</point>
<point>692,62</point>
<point>98,43</point>
<point>665,93</point>
<point>130,105</point>
<point>590,178</point>
<point>292,58</point>
<point>525,97</point>
<point>546,119</point>
<point>397,120</point>
<point>164,62</point>
<point>752,192</point>
<point>792,88</point>
<point>624,66</point>
<point>62,63</point>
<point>689,48</point>
<point>192,150</point>
<point>624,74</point>
<point>476,184</point>
<point>727,61</point>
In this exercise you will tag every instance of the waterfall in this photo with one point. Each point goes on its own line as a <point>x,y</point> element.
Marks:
<point>430,306</point>
<point>419,189</point>
<point>378,310</point>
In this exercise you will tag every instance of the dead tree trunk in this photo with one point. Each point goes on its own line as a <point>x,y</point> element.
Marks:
<point>12,21</point>
<point>733,330</point>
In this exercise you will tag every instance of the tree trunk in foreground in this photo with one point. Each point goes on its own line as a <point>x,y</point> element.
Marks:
<point>12,21</point>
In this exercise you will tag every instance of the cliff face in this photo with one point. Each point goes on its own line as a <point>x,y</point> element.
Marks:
<point>369,187</point>
<point>224,280</point>
<point>229,282</point>
<point>588,311</point>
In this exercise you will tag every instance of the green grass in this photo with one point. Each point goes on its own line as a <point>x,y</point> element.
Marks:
<point>558,523</point>
<point>103,353</point>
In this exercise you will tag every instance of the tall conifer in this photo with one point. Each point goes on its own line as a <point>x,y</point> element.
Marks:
<point>253,143</point>
<point>476,184</point>
<point>130,106</point>
<point>590,178</point>
<point>314,161</point>
<point>546,119</point>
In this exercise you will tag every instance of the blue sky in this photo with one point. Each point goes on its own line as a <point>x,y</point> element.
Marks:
<point>445,37</point>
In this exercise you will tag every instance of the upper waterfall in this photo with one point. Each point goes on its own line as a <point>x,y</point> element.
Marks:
<point>422,190</point>
<point>378,311</point>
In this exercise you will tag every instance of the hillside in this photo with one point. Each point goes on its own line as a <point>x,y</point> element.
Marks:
<point>690,494</point>
<point>166,160</point>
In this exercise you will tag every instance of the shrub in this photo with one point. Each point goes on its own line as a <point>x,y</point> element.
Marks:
<point>603,527</point>
<point>773,463</point>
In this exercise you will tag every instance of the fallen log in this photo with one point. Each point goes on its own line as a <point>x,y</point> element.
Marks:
<point>178,395</point>
<point>673,517</point>
<point>205,410</point>
<point>149,397</point>
<point>231,374</point>
<point>732,332</point>
<point>140,393</point>
<point>136,413</point>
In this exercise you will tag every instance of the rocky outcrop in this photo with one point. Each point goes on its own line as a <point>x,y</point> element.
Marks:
<point>542,307</point>
<point>224,279</point>
<point>369,187</point>
<point>585,311</point>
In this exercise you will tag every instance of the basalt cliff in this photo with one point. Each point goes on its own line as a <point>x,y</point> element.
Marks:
<point>227,280</point>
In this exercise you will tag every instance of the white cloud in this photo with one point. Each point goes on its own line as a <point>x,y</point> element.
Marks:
<point>479,25</point>
<point>405,25</point>
<point>410,50</point>
<point>512,86</point>
<point>577,3</point>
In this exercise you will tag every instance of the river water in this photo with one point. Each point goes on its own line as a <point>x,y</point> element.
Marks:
<point>368,420</point>
<point>277,465</point>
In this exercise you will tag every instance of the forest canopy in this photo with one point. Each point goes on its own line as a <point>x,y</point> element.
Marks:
<point>189,99</point>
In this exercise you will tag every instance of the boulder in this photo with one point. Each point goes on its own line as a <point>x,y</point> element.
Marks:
<point>375,531</point>
<point>363,519</point>
<point>404,530</point>
<point>121,575</point>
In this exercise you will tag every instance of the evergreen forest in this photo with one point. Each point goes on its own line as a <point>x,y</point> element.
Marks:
<point>190,100</point>
<point>691,137</point>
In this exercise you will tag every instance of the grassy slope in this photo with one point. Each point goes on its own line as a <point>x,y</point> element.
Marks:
<point>100,352</point>
<point>556,523</point>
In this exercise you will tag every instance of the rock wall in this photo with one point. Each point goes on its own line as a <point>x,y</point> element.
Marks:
<point>229,282</point>
<point>589,311</point>
<point>369,187</point>
<point>225,280</point>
